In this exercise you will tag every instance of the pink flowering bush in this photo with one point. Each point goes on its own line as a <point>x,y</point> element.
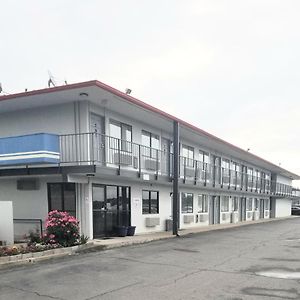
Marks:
<point>62,229</point>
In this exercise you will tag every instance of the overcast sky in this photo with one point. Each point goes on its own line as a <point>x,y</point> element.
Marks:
<point>230,67</point>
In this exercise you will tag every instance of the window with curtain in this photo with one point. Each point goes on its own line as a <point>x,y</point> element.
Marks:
<point>62,197</point>
<point>122,136</point>
<point>249,204</point>
<point>150,202</point>
<point>202,203</point>
<point>235,203</point>
<point>187,204</point>
<point>151,143</point>
<point>188,155</point>
<point>224,203</point>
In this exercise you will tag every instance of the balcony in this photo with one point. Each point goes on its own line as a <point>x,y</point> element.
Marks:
<point>103,150</point>
<point>109,152</point>
<point>98,149</point>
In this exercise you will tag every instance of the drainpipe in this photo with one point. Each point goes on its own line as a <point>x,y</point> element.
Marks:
<point>175,177</point>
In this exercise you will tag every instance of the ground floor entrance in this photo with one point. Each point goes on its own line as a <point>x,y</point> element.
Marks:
<point>111,208</point>
<point>214,210</point>
<point>243,204</point>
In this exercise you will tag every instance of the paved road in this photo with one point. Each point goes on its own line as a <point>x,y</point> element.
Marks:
<point>228,264</point>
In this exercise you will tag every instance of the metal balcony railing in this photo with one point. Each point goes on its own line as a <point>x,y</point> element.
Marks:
<point>95,148</point>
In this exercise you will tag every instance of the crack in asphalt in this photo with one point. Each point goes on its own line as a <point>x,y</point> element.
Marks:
<point>31,292</point>
<point>148,263</point>
<point>114,290</point>
<point>175,280</point>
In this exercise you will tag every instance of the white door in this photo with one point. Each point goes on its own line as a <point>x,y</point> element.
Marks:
<point>165,156</point>
<point>98,142</point>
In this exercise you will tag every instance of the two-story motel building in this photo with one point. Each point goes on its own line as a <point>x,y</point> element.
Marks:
<point>107,158</point>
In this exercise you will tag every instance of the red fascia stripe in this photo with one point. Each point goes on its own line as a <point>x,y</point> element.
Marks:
<point>136,102</point>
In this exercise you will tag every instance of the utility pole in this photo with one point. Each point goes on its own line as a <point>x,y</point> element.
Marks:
<point>175,176</point>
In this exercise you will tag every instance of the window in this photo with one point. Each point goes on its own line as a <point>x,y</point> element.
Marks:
<point>204,158</point>
<point>250,177</point>
<point>150,202</point>
<point>225,170</point>
<point>123,132</point>
<point>62,197</point>
<point>256,204</point>
<point>187,200</point>
<point>188,154</point>
<point>202,203</point>
<point>256,178</point>
<point>234,166</point>
<point>235,203</point>
<point>224,203</point>
<point>249,204</point>
<point>225,163</point>
<point>268,182</point>
<point>151,143</point>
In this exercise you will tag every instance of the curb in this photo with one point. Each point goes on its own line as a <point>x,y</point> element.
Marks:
<point>42,255</point>
<point>95,246</point>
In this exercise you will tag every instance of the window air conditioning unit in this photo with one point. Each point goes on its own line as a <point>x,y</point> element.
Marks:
<point>31,184</point>
<point>203,217</point>
<point>256,215</point>
<point>151,164</point>
<point>224,216</point>
<point>187,219</point>
<point>123,158</point>
<point>189,172</point>
<point>249,214</point>
<point>152,222</point>
<point>234,217</point>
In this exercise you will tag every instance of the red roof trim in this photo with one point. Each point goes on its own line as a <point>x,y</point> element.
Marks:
<point>136,102</point>
<point>49,90</point>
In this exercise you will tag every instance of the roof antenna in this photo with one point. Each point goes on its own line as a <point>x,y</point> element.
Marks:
<point>128,91</point>
<point>2,91</point>
<point>51,80</point>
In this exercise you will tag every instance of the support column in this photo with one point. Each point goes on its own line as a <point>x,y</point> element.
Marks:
<point>175,177</point>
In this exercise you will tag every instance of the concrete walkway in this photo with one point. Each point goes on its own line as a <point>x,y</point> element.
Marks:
<point>116,242</point>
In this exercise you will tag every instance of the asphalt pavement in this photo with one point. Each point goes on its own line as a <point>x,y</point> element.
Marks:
<point>259,261</point>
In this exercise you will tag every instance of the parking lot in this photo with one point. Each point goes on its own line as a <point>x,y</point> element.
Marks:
<point>259,261</point>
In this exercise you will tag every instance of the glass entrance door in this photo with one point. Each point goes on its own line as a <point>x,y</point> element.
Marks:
<point>99,211</point>
<point>111,208</point>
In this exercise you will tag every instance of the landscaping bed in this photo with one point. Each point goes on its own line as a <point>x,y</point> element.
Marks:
<point>61,237</point>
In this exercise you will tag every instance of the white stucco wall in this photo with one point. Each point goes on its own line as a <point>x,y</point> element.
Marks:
<point>6,222</point>
<point>57,119</point>
<point>284,180</point>
<point>283,208</point>
<point>26,204</point>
